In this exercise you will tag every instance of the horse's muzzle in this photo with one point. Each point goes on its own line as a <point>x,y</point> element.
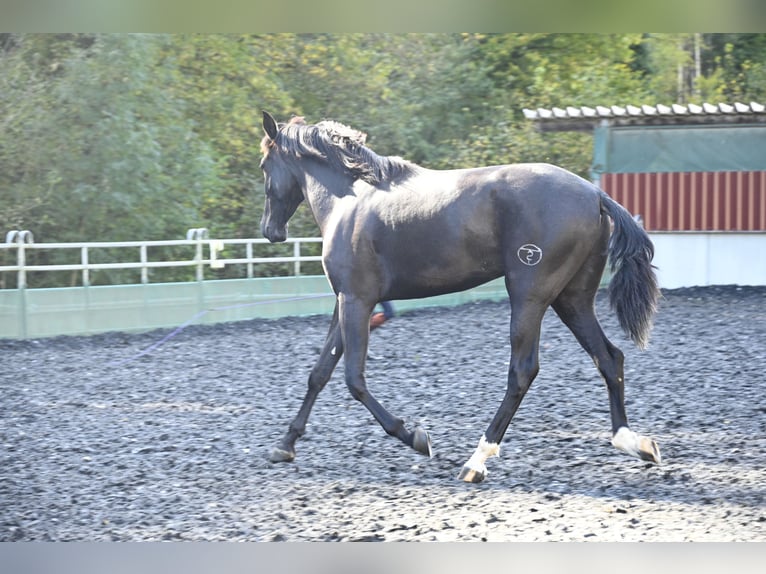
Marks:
<point>274,234</point>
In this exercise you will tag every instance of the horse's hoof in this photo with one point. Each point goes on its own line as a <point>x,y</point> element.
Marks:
<point>638,445</point>
<point>649,450</point>
<point>421,441</point>
<point>280,455</point>
<point>473,475</point>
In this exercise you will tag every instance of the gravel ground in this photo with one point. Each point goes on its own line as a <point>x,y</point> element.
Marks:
<point>173,445</point>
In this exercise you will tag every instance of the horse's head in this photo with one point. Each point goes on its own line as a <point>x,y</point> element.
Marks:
<point>283,190</point>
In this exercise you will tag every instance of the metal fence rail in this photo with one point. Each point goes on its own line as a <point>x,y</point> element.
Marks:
<point>207,253</point>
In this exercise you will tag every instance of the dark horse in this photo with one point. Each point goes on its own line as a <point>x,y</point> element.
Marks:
<point>395,230</point>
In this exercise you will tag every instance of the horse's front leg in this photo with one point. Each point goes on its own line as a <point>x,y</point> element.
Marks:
<point>355,327</point>
<point>320,374</point>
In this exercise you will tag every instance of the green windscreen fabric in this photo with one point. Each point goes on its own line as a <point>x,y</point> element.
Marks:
<point>685,148</point>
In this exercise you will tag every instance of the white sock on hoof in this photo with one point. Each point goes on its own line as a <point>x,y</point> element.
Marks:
<point>481,454</point>
<point>627,441</point>
<point>633,443</point>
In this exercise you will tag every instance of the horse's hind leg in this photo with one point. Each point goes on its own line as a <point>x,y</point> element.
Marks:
<point>320,374</point>
<point>575,308</point>
<point>526,318</point>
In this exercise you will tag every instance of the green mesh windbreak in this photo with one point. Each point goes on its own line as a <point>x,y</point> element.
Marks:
<point>686,149</point>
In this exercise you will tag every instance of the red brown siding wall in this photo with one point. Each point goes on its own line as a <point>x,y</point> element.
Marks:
<point>692,201</point>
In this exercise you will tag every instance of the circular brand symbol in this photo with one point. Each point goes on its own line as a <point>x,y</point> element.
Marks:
<point>530,254</point>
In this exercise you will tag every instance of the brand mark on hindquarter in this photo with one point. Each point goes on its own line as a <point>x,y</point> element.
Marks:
<point>530,254</point>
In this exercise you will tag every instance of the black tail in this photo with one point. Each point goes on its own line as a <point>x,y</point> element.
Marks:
<point>633,290</point>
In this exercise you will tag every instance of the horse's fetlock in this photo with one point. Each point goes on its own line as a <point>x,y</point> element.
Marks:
<point>397,428</point>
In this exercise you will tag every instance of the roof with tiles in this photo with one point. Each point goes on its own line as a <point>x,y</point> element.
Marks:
<point>586,117</point>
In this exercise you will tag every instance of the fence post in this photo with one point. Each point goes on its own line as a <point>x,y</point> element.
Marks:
<point>21,238</point>
<point>249,256</point>
<point>85,270</point>
<point>199,234</point>
<point>144,269</point>
<point>297,254</point>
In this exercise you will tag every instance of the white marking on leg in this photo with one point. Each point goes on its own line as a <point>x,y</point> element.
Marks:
<point>332,352</point>
<point>481,454</point>
<point>626,440</point>
<point>635,444</point>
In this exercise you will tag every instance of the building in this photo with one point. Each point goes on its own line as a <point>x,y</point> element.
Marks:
<point>696,176</point>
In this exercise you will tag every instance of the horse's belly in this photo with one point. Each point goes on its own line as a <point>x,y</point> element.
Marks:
<point>438,281</point>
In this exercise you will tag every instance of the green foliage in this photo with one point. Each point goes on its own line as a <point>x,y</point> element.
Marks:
<point>94,147</point>
<point>224,80</point>
<point>738,62</point>
<point>703,67</point>
<point>114,137</point>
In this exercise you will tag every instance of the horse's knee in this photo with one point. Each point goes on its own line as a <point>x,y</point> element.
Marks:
<point>317,380</point>
<point>358,389</point>
<point>320,374</point>
<point>531,372</point>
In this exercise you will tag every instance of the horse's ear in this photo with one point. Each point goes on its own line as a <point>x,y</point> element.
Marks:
<point>269,125</point>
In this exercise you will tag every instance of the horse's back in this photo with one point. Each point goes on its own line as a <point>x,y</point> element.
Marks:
<point>527,195</point>
<point>525,179</point>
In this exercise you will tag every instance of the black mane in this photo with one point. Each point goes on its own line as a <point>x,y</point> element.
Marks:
<point>343,147</point>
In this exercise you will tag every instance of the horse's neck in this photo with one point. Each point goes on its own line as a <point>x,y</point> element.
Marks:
<point>324,191</point>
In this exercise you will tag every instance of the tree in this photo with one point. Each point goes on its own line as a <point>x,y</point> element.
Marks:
<point>25,184</point>
<point>546,70</point>
<point>225,81</point>
<point>738,63</point>
<point>98,149</point>
<point>94,147</point>
<point>700,68</point>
